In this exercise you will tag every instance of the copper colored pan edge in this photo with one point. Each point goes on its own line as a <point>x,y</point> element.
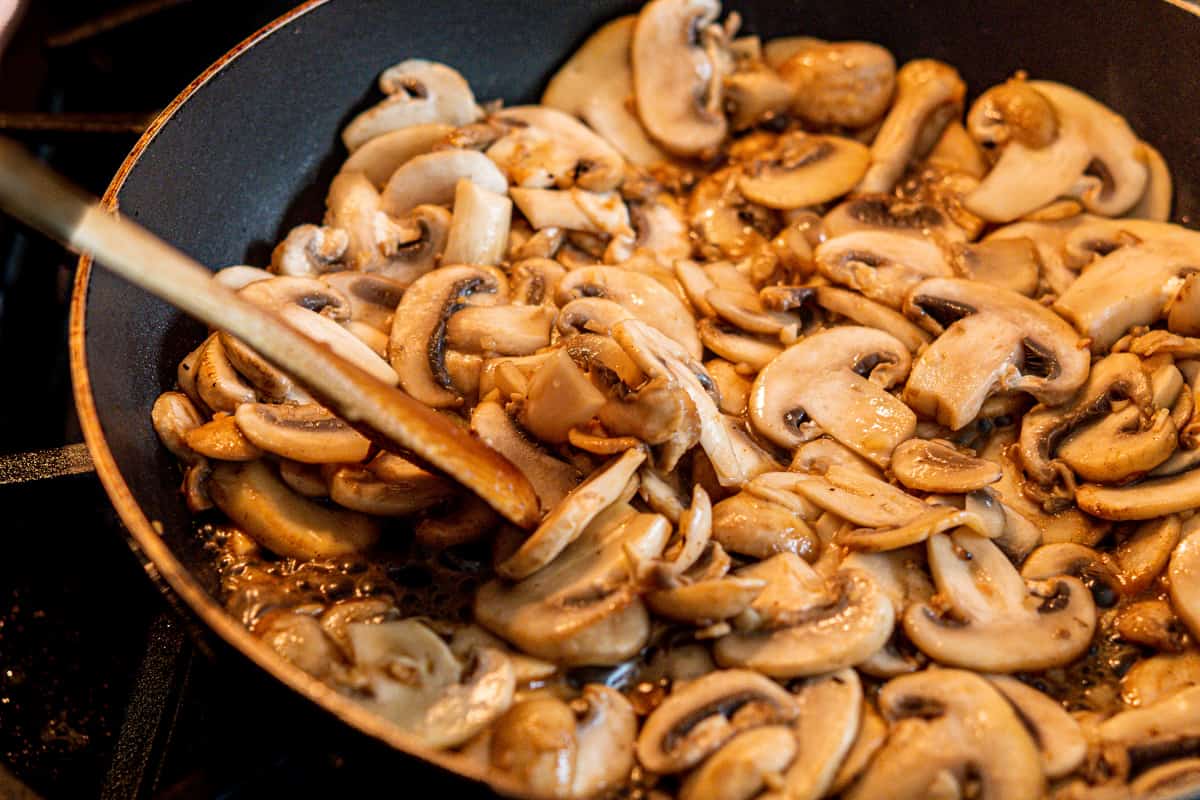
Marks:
<point>145,540</point>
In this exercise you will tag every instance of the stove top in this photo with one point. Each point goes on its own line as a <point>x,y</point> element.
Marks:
<point>104,691</point>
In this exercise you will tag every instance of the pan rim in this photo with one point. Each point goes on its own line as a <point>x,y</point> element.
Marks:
<point>140,532</point>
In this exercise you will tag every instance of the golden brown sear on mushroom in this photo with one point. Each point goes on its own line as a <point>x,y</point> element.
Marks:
<point>863,426</point>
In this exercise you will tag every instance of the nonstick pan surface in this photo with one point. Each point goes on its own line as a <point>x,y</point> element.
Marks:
<point>248,149</point>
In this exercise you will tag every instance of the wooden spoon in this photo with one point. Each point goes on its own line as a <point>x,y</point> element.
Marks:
<point>40,197</point>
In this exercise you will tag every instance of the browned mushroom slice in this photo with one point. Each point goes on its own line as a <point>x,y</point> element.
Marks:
<point>678,71</point>
<point>221,439</point>
<point>284,522</point>
<point>309,433</point>
<point>928,95</point>
<point>1144,500</point>
<point>741,768</point>
<point>947,722</point>
<point>507,330</point>
<point>218,384</point>
<point>567,521</point>
<point>640,295</point>
<point>1160,676</point>
<point>581,608</point>
<point>551,479</point>
<point>549,148</point>
<point>837,379</point>
<point>842,84</point>
<point>309,250</point>
<point>937,466</point>
<point>802,625</point>
<point>559,397</point>
<point>364,490</point>
<point>701,715</point>
<point>1001,623</point>
<point>1153,624</point>
<point>862,311</point>
<point>308,293</point>
<point>757,527</point>
<point>173,416</point>
<point>830,712</point>
<point>417,345</point>
<point>804,170</point>
<point>882,265</point>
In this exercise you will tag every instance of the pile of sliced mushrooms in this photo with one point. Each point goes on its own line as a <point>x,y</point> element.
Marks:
<point>863,425</point>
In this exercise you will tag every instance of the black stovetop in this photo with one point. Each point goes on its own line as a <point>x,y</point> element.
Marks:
<point>104,690</point>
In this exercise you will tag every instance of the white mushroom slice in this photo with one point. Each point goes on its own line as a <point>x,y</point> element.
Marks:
<point>642,296</point>
<point>397,495</point>
<point>239,276</point>
<point>752,353</point>
<point>1131,286</point>
<point>842,84</point>
<point>1145,500</point>
<point>552,479</point>
<point>928,95</point>
<point>414,680</point>
<point>377,243</point>
<point>705,601</point>
<point>817,456</point>
<point>432,178</point>
<point>883,265</point>
<point>583,607</point>
<point>911,217</point>
<point>859,498</point>
<point>755,94</point>
<point>283,522</point>
<point>309,434</point>
<point>596,85</point>
<point>830,710</point>
<point>309,250</point>
<point>1172,779</point>
<point>741,768</point>
<point>700,716</point>
<point>760,528</point>
<point>218,384</point>
<point>803,170</point>
<point>382,155</point>
<point>373,298</point>
<point>567,521</point>
<point>173,416</point>
<point>872,732</point>
<point>806,625</point>
<point>500,330</point>
<point>1155,729</point>
<point>308,293</point>
<point>559,397</point>
<point>590,315</point>
<point>419,92</point>
<point>937,466</point>
<point>549,148</point>
<point>1158,677</point>
<point>1057,734</point>
<point>1156,199</point>
<point>677,80</point>
<point>1001,622</point>
<point>858,309</point>
<point>417,346</point>
<point>1120,447</point>
<point>303,479</point>
<point>1184,578</point>
<point>479,229</point>
<point>837,379</point>
<point>746,311</point>
<point>1055,360</point>
<point>945,723</point>
<point>574,210</point>
<point>1051,134</point>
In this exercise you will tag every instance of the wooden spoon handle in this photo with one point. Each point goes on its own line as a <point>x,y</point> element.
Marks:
<point>35,194</point>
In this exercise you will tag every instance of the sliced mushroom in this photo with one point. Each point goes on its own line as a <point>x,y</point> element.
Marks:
<point>950,723</point>
<point>999,622</point>
<point>596,84</point>
<point>830,710</point>
<point>1049,136</point>
<point>700,716</point>
<point>1067,558</point>
<point>567,521</point>
<point>381,155</point>
<point>741,768</point>
<point>173,417</point>
<point>872,732</point>
<point>1184,584</point>
<point>1040,353</point>
<point>240,276</point>
<point>677,75</point>
<point>1151,623</point>
<point>479,229</point>
<point>582,608</point>
<point>1057,734</point>
<point>755,94</point>
<point>403,491</point>
<point>419,92</point>
<point>1143,555</point>
<point>883,265</point>
<point>283,522</point>
<point>928,95</point>
<point>1010,263</point>
<point>400,249</point>
<point>760,528</point>
<point>937,466</point>
<point>1160,676</point>
<point>858,309</point>
<point>1145,500</point>
<point>1155,203</point>
<point>838,380</point>
<point>309,250</point>
<point>432,179</point>
<point>1162,728</point>
<point>340,341</point>
<point>218,384</point>
<point>751,353</point>
<point>221,439</point>
<point>842,84</point>
<point>1167,780</point>
<point>803,170</point>
<point>642,296</point>
<point>300,640</point>
<point>552,479</point>
<point>306,433</point>
<point>808,626</point>
<point>417,346</point>
<point>579,157</point>
<point>269,382</point>
<point>499,330</point>
<point>373,298</point>
<point>414,680</point>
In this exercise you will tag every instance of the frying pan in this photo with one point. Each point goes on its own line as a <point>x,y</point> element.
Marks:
<point>248,149</point>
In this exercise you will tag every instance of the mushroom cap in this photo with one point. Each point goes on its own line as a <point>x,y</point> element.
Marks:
<point>844,84</point>
<point>431,179</point>
<point>1048,340</point>
<point>672,72</point>
<point>838,379</point>
<point>803,170</point>
<point>937,466</point>
<point>419,92</point>
<point>701,715</point>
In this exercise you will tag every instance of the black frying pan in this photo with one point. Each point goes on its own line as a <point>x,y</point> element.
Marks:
<point>248,150</point>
